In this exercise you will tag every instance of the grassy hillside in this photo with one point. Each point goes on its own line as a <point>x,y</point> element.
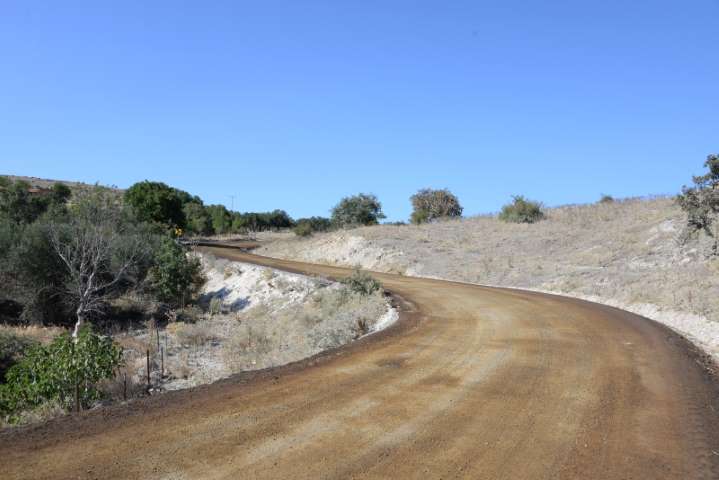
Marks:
<point>626,253</point>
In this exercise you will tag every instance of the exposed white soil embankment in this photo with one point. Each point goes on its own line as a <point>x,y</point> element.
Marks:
<point>253,318</point>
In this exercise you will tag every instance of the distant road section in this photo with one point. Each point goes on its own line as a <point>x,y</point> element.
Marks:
<point>472,382</point>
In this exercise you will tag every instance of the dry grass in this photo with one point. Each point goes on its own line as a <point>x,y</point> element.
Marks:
<point>627,250</point>
<point>36,333</point>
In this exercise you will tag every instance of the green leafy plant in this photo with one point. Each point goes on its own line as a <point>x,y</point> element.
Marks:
<point>175,277</point>
<point>521,210</point>
<point>362,282</point>
<point>59,372</point>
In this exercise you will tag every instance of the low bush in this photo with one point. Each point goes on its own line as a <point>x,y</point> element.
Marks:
<point>606,199</point>
<point>55,372</point>
<point>362,283</point>
<point>303,230</point>
<point>521,210</point>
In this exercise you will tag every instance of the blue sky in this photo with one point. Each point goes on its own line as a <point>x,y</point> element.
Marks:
<point>295,104</point>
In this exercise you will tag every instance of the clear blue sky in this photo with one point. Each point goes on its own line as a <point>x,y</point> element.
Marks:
<point>295,104</point>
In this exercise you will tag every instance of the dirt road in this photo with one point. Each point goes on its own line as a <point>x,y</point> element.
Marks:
<point>473,382</point>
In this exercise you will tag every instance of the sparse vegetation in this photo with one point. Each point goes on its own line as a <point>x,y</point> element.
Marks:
<point>521,210</point>
<point>429,205</point>
<point>362,282</point>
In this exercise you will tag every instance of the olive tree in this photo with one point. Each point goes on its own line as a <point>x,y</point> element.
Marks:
<point>360,209</point>
<point>429,204</point>
<point>701,202</point>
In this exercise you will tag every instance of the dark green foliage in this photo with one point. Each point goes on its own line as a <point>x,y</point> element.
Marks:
<point>198,219</point>
<point>701,201</point>
<point>175,277</point>
<point>521,210</point>
<point>261,221</point>
<point>431,204</point>
<point>52,372</point>
<point>606,199</point>
<point>157,202</point>
<point>360,209</point>
<point>12,348</point>
<point>221,218</point>
<point>305,227</point>
<point>362,282</point>
<point>21,204</point>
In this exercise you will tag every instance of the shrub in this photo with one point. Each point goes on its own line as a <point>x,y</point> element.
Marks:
<point>305,227</point>
<point>54,372</point>
<point>606,199</point>
<point>175,277</point>
<point>12,347</point>
<point>521,210</point>
<point>303,230</point>
<point>361,209</point>
<point>431,204</point>
<point>362,282</point>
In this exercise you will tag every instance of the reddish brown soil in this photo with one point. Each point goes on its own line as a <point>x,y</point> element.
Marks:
<point>473,382</point>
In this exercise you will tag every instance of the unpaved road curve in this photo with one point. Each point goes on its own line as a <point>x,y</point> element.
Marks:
<point>473,382</point>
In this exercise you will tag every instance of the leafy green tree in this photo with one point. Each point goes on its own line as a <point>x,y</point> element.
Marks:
<point>701,202</point>
<point>60,371</point>
<point>198,219</point>
<point>360,209</point>
<point>521,210</point>
<point>278,219</point>
<point>429,204</point>
<point>157,202</point>
<point>175,277</point>
<point>221,218</point>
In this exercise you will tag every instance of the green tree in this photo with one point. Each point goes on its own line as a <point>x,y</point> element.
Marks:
<point>175,277</point>
<point>360,209</point>
<point>221,218</point>
<point>521,210</point>
<point>198,219</point>
<point>157,202</point>
<point>429,204</point>
<point>59,371</point>
<point>701,202</point>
